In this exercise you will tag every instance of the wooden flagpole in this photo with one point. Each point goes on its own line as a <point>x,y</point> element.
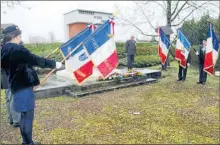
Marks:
<point>52,52</point>
<point>49,74</point>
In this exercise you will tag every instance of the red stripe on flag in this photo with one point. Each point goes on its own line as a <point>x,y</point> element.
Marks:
<point>208,63</point>
<point>84,72</point>
<point>109,64</point>
<point>181,58</point>
<point>178,54</point>
<point>162,56</point>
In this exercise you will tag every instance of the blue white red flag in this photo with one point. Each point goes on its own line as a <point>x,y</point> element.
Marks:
<point>79,62</point>
<point>212,49</point>
<point>102,48</point>
<point>76,40</point>
<point>164,46</point>
<point>182,48</point>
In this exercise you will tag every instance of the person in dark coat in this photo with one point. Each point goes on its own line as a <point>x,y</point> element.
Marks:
<point>183,71</point>
<point>18,63</point>
<point>130,49</point>
<point>201,57</point>
<point>13,116</point>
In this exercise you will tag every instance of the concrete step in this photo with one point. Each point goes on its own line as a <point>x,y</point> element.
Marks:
<point>109,88</point>
<point>57,86</point>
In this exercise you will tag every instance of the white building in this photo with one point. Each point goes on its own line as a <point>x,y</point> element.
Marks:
<point>75,21</point>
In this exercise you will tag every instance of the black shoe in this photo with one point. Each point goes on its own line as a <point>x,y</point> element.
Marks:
<point>34,142</point>
<point>11,123</point>
<point>179,80</point>
<point>199,82</point>
<point>16,125</point>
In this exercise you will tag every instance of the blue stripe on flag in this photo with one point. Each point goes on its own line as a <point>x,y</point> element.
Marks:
<point>80,48</point>
<point>98,38</point>
<point>75,41</point>
<point>164,39</point>
<point>215,42</point>
<point>184,40</point>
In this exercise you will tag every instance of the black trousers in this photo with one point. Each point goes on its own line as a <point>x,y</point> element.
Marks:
<point>130,59</point>
<point>182,73</point>
<point>26,126</point>
<point>164,67</point>
<point>202,74</point>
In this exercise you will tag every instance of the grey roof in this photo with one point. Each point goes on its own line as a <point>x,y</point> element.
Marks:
<point>88,11</point>
<point>3,26</point>
<point>166,29</point>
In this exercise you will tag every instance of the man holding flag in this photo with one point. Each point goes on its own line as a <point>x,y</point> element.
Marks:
<point>201,56</point>
<point>182,55</point>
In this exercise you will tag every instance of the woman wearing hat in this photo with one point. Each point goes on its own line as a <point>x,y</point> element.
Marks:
<point>18,63</point>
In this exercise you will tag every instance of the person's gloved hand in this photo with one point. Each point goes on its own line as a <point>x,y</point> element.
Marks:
<point>59,66</point>
<point>188,64</point>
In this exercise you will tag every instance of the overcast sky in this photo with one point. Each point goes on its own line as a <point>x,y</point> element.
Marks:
<point>47,16</point>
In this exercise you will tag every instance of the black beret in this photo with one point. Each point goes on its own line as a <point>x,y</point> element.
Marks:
<point>10,29</point>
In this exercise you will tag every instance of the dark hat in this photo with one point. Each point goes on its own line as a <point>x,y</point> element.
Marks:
<point>10,29</point>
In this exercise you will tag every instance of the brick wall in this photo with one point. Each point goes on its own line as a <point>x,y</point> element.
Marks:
<point>76,28</point>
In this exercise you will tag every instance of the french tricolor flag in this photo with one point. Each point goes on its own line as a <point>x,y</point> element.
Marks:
<point>76,40</point>
<point>79,62</point>
<point>102,48</point>
<point>182,48</point>
<point>163,47</point>
<point>212,49</point>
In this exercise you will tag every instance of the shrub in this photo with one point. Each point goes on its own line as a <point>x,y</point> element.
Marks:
<point>45,49</point>
<point>142,49</point>
<point>142,61</point>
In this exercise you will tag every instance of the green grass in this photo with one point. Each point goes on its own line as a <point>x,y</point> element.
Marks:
<point>170,113</point>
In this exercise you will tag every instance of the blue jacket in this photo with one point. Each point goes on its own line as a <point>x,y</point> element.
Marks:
<point>18,63</point>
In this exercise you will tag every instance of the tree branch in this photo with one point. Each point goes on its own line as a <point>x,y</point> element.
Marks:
<point>177,13</point>
<point>161,5</point>
<point>145,15</point>
<point>188,15</point>
<point>175,8</point>
<point>137,27</point>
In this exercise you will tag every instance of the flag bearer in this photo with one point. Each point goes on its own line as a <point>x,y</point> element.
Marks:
<point>201,56</point>
<point>18,63</point>
<point>183,71</point>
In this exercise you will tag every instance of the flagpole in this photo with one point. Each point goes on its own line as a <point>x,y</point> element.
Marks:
<point>49,74</point>
<point>52,52</point>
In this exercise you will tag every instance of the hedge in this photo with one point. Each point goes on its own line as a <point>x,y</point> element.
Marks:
<point>142,61</point>
<point>45,49</point>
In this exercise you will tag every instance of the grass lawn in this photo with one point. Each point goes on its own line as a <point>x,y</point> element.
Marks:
<point>170,112</point>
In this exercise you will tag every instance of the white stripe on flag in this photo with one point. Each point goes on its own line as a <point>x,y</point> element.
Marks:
<point>74,63</point>
<point>103,52</point>
<point>164,48</point>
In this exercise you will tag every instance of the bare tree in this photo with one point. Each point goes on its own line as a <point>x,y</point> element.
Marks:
<point>175,12</point>
<point>37,39</point>
<point>51,37</point>
<point>12,4</point>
